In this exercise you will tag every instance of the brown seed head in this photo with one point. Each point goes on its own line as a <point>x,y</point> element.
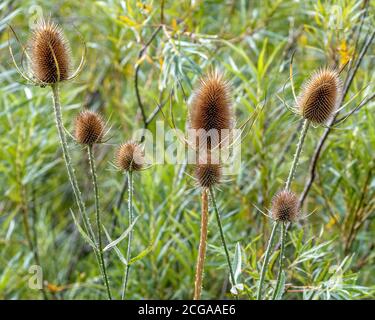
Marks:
<point>318,99</point>
<point>50,53</point>
<point>211,105</point>
<point>89,128</point>
<point>285,206</point>
<point>130,157</point>
<point>208,172</point>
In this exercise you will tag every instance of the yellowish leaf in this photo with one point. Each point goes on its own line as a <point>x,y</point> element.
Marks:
<point>127,21</point>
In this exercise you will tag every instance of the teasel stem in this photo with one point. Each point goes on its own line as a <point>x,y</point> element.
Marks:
<point>70,169</point>
<point>305,127</point>
<point>212,194</point>
<point>202,246</point>
<point>128,255</point>
<point>281,259</point>
<point>98,221</point>
<point>68,160</point>
<point>266,260</point>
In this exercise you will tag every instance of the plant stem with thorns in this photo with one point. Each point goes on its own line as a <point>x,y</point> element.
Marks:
<point>202,246</point>
<point>128,255</point>
<point>281,260</point>
<point>212,194</point>
<point>292,171</point>
<point>266,259</point>
<point>98,221</point>
<point>70,169</point>
<point>305,127</point>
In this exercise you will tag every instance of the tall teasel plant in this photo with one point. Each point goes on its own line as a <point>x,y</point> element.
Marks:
<point>316,104</point>
<point>50,64</point>
<point>210,111</point>
<point>129,158</point>
<point>90,130</point>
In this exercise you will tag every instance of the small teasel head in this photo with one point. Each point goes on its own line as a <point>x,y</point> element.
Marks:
<point>208,172</point>
<point>89,128</point>
<point>130,157</point>
<point>50,55</point>
<point>285,206</point>
<point>211,107</point>
<point>319,97</point>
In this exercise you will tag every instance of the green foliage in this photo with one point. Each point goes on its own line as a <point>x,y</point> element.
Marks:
<point>329,254</point>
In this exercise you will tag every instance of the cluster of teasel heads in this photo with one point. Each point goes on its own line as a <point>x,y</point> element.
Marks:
<point>50,63</point>
<point>211,108</point>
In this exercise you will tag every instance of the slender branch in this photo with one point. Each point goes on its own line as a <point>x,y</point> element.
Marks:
<point>281,259</point>
<point>360,106</point>
<point>98,220</point>
<point>212,194</point>
<point>128,255</point>
<point>202,247</point>
<point>140,55</point>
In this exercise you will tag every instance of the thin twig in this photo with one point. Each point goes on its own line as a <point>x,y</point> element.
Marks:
<point>140,56</point>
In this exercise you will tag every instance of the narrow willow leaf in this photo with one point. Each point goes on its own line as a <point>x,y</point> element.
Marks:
<point>122,237</point>
<point>117,250</point>
<point>141,254</point>
<point>237,262</point>
<point>83,233</point>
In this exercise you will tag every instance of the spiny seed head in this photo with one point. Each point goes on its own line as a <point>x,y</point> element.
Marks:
<point>211,104</point>
<point>130,157</point>
<point>285,206</point>
<point>89,128</point>
<point>208,172</point>
<point>50,53</point>
<point>319,97</point>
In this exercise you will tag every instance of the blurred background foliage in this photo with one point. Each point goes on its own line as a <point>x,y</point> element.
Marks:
<point>162,47</point>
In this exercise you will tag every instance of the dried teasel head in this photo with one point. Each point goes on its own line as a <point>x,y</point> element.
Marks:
<point>50,55</point>
<point>285,206</point>
<point>211,107</point>
<point>89,128</point>
<point>319,97</point>
<point>208,172</point>
<point>130,157</point>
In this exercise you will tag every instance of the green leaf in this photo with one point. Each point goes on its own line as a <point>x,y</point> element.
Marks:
<point>122,237</point>
<point>142,254</point>
<point>117,250</point>
<point>82,232</point>
<point>281,288</point>
<point>237,262</point>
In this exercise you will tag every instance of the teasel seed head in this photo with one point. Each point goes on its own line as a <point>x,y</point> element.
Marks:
<point>285,206</point>
<point>130,157</point>
<point>208,172</point>
<point>319,97</point>
<point>211,106</point>
<point>50,53</point>
<point>89,128</point>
